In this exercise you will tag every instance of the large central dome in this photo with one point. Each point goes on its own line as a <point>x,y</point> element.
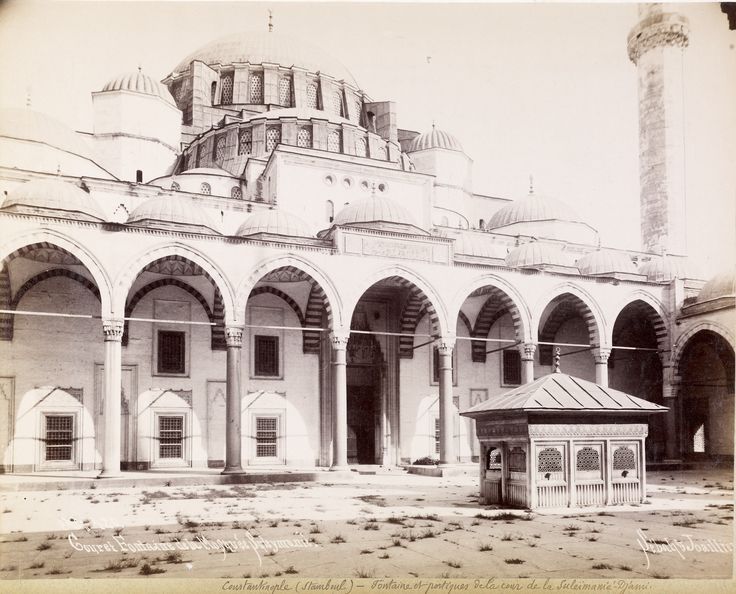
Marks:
<point>270,48</point>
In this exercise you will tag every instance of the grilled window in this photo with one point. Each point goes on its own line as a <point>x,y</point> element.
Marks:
<point>494,459</point>
<point>624,459</point>
<point>517,460</point>
<point>587,459</point>
<point>266,356</point>
<point>337,106</point>
<point>285,91</point>
<point>171,352</point>
<point>236,193</point>
<point>549,460</point>
<point>267,434</point>
<point>245,142</point>
<point>273,137</point>
<point>175,186</point>
<point>205,189</point>
<point>304,137</point>
<point>511,367</point>
<point>170,437</point>
<point>312,102</point>
<point>226,89</point>
<point>256,88</point>
<point>59,438</point>
<point>334,141</point>
<point>219,149</point>
<point>361,147</point>
<point>357,108</point>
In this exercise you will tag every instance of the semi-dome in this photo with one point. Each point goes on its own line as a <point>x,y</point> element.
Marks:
<point>275,222</point>
<point>534,254</point>
<point>665,269</point>
<point>721,285</point>
<point>605,262</point>
<point>53,195</point>
<point>532,208</point>
<point>374,209</point>
<point>29,125</point>
<point>433,139</point>
<point>137,82</point>
<point>178,212</point>
<point>271,48</point>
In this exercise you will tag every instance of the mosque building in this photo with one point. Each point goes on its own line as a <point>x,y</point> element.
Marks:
<point>251,264</point>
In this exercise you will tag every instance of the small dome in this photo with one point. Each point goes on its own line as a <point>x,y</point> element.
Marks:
<point>176,211</point>
<point>434,139</point>
<point>478,244</point>
<point>665,268</point>
<point>535,254</point>
<point>374,209</point>
<point>274,222</point>
<point>206,171</point>
<point>721,285</point>
<point>605,262</point>
<point>532,208</point>
<point>53,194</point>
<point>137,82</point>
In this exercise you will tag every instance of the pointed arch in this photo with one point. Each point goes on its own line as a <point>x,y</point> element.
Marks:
<point>574,300</point>
<point>645,306</point>
<point>284,297</point>
<point>684,339</point>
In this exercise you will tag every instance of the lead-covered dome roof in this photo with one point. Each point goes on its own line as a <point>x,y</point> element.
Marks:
<point>667,268</point>
<point>435,138</point>
<point>275,222</point>
<point>179,212</point>
<point>54,195</point>
<point>374,209</point>
<point>535,254</point>
<point>605,262</point>
<point>271,48</point>
<point>137,82</point>
<point>721,285</point>
<point>532,207</point>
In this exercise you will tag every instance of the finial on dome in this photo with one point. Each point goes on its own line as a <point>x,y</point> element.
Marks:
<point>270,21</point>
<point>373,189</point>
<point>557,361</point>
<point>28,97</point>
<point>531,183</point>
<point>140,68</point>
<point>58,169</point>
<point>433,126</point>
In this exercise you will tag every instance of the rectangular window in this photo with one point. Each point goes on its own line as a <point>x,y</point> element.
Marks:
<point>267,433</point>
<point>511,367</point>
<point>171,351</point>
<point>266,356</point>
<point>59,438</point>
<point>170,437</point>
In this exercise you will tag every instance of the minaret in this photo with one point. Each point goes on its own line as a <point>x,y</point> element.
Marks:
<point>656,45</point>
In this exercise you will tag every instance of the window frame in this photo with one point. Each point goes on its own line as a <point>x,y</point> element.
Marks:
<point>502,360</point>
<point>278,356</point>
<point>156,460</point>
<point>73,462</point>
<point>280,457</point>
<point>183,356</point>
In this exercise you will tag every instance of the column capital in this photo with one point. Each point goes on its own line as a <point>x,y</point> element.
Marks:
<point>527,351</point>
<point>234,336</point>
<point>113,330</point>
<point>446,343</point>
<point>601,355</point>
<point>339,339</point>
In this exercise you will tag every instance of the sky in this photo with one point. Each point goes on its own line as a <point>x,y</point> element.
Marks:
<point>529,89</point>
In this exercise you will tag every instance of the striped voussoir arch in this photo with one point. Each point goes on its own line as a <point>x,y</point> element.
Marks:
<point>6,319</point>
<point>317,304</point>
<point>644,310</point>
<point>414,310</point>
<point>566,307</point>
<point>464,319</point>
<point>496,306</point>
<point>218,341</point>
<point>164,282</point>
<point>31,252</point>
<point>281,295</point>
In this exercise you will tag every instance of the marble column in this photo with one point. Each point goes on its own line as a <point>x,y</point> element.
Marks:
<point>527,362</point>
<point>600,355</point>
<point>669,393</point>
<point>447,414</point>
<point>339,342</point>
<point>233,439</point>
<point>113,330</point>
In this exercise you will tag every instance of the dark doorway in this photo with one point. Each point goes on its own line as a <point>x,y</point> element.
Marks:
<point>362,422</point>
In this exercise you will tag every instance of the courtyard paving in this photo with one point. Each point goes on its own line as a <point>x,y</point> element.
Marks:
<point>386,525</point>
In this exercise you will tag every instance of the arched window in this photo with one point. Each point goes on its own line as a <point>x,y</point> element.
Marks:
<point>236,193</point>
<point>337,106</point>
<point>334,141</point>
<point>273,137</point>
<point>624,458</point>
<point>587,459</point>
<point>304,137</point>
<point>361,147</point>
<point>285,91</point>
<point>256,87</point>
<point>245,142</point>
<point>205,189</point>
<point>226,89</point>
<point>312,102</point>
<point>213,92</point>
<point>175,186</point>
<point>357,109</point>
<point>219,149</point>
<point>517,460</point>
<point>494,459</point>
<point>330,210</point>
<point>382,152</point>
<point>549,460</point>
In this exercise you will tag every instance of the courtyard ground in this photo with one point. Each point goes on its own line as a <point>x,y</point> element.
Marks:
<point>384,525</point>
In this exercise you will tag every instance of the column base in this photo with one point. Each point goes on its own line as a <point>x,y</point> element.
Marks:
<point>104,474</point>
<point>340,468</point>
<point>233,470</point>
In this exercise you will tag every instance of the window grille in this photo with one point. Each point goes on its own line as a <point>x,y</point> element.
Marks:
<point>511,367</point>
<point>245,142</point>
<point>624,458</point>
<point>205,189</point>
<point>171,352</point>
<point>226,89</point>
<point>334,141</point>
<point>285,91</point>
<point>304,137</point>
<point>256,88</point>
<point>699,440</point>
<point>549,460</point>
<point>494,459</point>
<point>59,437</point>
<point>175,186</point>
<point>267,432</point>
<point>437,436</point>
<point>236,193</point>
<point>220,149</point>
<point>266,355</point>
<point>361,147</point>
<point>517,460</point>
<point>357,108</point>
<point>588,459</point>
<point>337,107</point>
<point>170,437</point>
<point>312,96</point>
<point>273,137</point>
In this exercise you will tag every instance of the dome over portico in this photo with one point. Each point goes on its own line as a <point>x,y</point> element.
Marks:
<point>721,285</point>
<point>274,222</point>
<point>179,213</point>
<point>375,209</point>
<point>49,196</point>
<point>532,208</point>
